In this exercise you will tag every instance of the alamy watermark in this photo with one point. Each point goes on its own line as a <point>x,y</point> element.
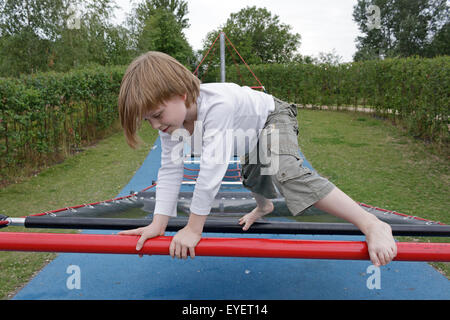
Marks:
<point>73,21</point>
<point>224,140</point>
<point>74,279</point>
<point>374,281</point>
<point>373,17</point>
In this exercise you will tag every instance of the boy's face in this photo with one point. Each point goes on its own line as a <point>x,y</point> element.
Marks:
<point>168,116</point>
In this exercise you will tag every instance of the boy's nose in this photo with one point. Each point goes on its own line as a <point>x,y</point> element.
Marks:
<point>154,123</point>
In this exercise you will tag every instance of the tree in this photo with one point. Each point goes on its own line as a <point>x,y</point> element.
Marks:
<point>440,44</point>
<point>118,46</point>
<point>163,33</point>
<point>42,35</point>
<point>92,39</point>
<point>259,36</point>
<point>330,58</point>
<point>27,29</point>
<point>404,28</point>
<point>177,7</point>
<point>158,25</point>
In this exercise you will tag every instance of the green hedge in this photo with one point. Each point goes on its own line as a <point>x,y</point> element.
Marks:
<point>49,115</point>
<point>413,90</point>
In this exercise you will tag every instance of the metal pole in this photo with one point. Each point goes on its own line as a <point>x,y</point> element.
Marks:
<point>226,225</point>
<point>219,247</point>
<point>222,57</point>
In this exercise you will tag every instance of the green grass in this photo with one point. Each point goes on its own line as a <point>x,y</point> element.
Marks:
<point>369,159</point>
<point>98,173</point>
<point>375,163</point>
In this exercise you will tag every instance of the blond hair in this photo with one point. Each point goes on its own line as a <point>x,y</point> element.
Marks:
<point>149,80</point>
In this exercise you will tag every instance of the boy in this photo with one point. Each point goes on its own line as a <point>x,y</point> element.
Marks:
<point>159,89</point>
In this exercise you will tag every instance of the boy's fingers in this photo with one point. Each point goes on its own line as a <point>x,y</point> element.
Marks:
<point>184,252</point>
<point>388,257</point>
<point>137,231</point>
<point>394,250</point>
<point>140,243</point>
<point>172,248</point>
<point>142,240</point>
<point>374,259</point>
<point>178,250</point>
<point>192,252</point>
<point>381,258</point>
<point>127,232</point>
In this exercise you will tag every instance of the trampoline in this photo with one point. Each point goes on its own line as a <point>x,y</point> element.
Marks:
<point>312,256</point>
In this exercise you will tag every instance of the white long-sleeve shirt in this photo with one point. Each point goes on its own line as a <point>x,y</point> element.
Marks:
<point>229,120</point>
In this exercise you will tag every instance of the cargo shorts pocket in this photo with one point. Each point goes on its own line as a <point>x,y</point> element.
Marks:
<point>283,142</point>
<point>256,182</point>
<point>299,184</point>
<point>291,168</point>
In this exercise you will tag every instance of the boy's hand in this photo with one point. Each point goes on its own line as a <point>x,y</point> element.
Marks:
<point>188,237</point>
<point>156,228</point>
<point>147,232</point>
<point>185,239</point>
<point>381,244</point>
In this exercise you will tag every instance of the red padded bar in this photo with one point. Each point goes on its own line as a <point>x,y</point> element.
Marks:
<point>229,247</point>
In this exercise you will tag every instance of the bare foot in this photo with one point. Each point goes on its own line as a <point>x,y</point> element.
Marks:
<point>256,213</point>
<point>381,243</point>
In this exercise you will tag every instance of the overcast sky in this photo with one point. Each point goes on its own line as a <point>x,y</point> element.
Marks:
<point>324,25</point>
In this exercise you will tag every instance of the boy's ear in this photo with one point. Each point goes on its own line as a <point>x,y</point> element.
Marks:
<point>184,96</point>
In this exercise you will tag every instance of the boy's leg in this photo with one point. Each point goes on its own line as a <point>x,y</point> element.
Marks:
<point>263,206</point>
<point>302,188</point>
<point>380,242</point>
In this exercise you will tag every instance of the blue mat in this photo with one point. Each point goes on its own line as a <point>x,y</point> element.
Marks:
<point>128,277</point>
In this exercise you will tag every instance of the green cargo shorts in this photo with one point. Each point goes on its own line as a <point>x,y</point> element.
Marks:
<point>275,163</point>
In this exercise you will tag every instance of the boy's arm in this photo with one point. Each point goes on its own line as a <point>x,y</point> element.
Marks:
<point>161,221</point>
<point>196,222</point>
<point>170,176</point>
<point>216,151</point>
